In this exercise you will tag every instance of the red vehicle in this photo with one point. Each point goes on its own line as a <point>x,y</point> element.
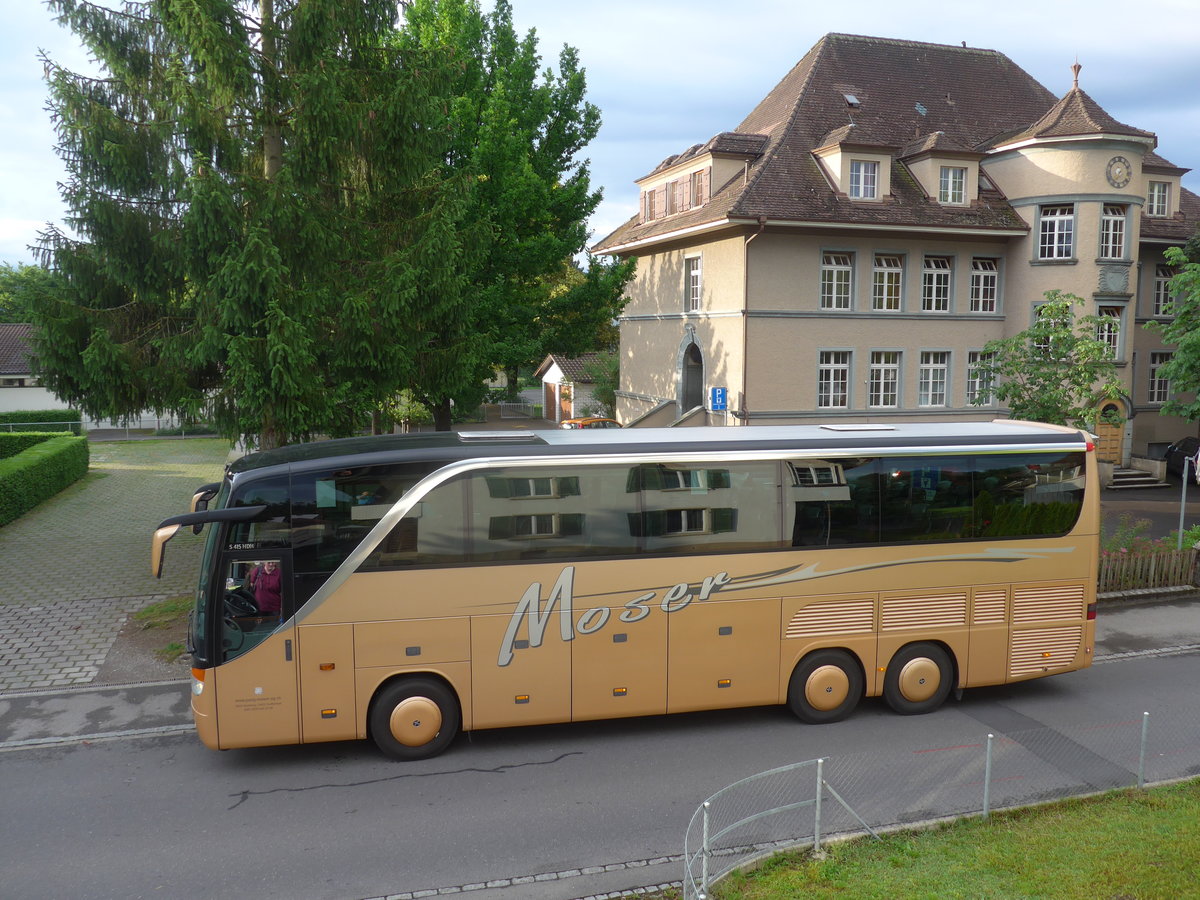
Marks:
<point>590,422</point>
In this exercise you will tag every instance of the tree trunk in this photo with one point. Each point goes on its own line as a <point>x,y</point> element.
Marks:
<point>512,382</point>
<point>441,415</point>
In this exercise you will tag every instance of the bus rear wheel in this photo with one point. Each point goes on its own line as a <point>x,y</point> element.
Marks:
<point>414,719</point>
<point>825,687</point>
<point>918,680</point>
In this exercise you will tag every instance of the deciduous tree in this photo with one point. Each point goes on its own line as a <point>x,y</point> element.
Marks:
<point>519,133</point>
<point>1182,370</point>
<point>1056,371</point>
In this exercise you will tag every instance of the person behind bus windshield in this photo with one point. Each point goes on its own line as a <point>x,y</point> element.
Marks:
<point>267,584</point>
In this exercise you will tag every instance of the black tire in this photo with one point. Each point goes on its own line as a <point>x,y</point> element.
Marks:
<point>414,718</point>
<point>825,687</point>
<point>919,679</point>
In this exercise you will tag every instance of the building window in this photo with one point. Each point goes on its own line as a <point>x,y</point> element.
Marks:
<point>884,383</point>
<point>952,186</point>
<point>1158,198</point>
<point>887,277</point>
<point>1162,290</point>
<point>864,179</point>
<point>1057,232</point>
<point>833,379</point>
<point>979,386</point>
<point>691,284</point>
<point>1108,329</point>
<point>984,285</point>
<point>1112,232</point>
<point>698,188</point>
<point>1160,387</point>
<point>836,270</point>
<point>935,284</point>
<point>932,387</point>
<point>647,205</point>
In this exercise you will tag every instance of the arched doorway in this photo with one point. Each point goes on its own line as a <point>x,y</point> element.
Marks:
<point>691,379</point>
<point>1110,432</point>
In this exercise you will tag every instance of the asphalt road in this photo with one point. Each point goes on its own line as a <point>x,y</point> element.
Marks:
<point>159,815</point>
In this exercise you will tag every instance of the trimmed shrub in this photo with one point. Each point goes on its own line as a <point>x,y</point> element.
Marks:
<point>39,472</point>
<point>19,441</point>
<point>40,419</point>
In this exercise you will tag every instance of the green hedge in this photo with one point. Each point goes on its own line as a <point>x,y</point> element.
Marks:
<point>39,472</point>
<point>39,419</point>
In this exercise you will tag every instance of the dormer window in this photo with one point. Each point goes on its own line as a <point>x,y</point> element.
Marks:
<point>952,186</point>
<point>864,179</point>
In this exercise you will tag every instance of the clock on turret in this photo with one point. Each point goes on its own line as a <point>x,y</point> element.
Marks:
<point>1118,171</point>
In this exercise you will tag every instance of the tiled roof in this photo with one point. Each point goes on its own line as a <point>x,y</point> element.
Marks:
<point>727,142</point>
<point>904,94</point>
<point>15,349</point>
<point>573,368</point>
<point>1076,114</point>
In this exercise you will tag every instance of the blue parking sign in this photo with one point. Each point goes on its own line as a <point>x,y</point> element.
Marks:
<point>719,398</point>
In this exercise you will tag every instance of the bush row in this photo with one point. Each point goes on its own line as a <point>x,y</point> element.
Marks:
<point>39,472</point>
<point>40,419</point>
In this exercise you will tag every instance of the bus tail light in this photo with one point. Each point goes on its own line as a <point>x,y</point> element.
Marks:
<point>198,681</point>
<point>1091,612</point>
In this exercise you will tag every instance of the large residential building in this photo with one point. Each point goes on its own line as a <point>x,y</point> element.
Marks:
<point>890,207</point>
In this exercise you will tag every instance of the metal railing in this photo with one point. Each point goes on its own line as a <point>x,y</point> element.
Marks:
<point>516,409</point>
<point>75,427</point>
<point>782,808</point>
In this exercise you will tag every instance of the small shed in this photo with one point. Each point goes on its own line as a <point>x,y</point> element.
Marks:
<point>566,388</point>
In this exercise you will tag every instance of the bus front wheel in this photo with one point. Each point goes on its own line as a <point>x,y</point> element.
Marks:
<point>414,719</point>
<point>825,687</point>
<point>918,679</point>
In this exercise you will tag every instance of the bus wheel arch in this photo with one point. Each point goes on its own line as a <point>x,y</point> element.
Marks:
<point>414,716</point>
<point>919,678</point>
<point>825,686</point>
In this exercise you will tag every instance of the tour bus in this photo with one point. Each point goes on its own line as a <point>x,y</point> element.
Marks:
<point>434,583</point>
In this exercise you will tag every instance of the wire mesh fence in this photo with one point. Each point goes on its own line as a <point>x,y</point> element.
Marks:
<point>807,803</point>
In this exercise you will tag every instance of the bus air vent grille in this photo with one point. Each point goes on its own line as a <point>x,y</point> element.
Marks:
<point>989,607</point>
<point>1043,650</point>
<point>1037,604</point>
<point>907,613</point>
<point>833,617</point>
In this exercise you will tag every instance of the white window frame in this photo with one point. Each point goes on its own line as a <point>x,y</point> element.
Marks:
<point>936,275</point>
<point>833,379</point>
<point>883,384</point>
<point>693,283</point>
<point>1158,199</point>
<point>1108,328</point>
<point>1163,298</point>
<point>933,377</point>
<point>1112,231</point>
<point>685,521</point>
<point>985,284</point>
<point>1056,231</point>
<point>977,383</point>
<point>837,280</point>
<point>864,179</point>
<point>952,185</point>
<point>1159,388</point>
<point>887,282</point>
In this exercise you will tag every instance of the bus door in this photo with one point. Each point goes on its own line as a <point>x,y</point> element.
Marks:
<point>256,676</point>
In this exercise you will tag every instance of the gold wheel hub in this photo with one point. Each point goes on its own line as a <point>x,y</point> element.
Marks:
<point>827,688</point>
<point>920,679</point>
<point>415,721</point>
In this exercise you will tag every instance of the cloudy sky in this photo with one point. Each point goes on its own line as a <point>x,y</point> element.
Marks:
<point>667,74</point>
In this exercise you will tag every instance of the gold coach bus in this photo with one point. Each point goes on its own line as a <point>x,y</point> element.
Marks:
<point>433,583</point>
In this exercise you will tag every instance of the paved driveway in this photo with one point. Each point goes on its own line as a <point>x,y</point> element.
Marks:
<point>71,569</point>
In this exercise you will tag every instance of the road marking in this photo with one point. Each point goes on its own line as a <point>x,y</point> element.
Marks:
<point>1134,654</point>
<point>96,738</point>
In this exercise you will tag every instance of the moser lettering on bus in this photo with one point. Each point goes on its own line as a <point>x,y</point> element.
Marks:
<point>536,612</point>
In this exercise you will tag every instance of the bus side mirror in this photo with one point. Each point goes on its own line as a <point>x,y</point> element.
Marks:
<point>200,499</point>
<point>162,534</point>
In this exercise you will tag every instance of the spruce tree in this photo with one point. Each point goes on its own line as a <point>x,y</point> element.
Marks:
<point>263,228</point>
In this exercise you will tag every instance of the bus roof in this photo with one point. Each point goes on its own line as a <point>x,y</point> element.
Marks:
<point>450,446</point>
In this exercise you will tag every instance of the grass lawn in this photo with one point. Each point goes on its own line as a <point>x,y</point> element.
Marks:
<point>1127,845</point>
